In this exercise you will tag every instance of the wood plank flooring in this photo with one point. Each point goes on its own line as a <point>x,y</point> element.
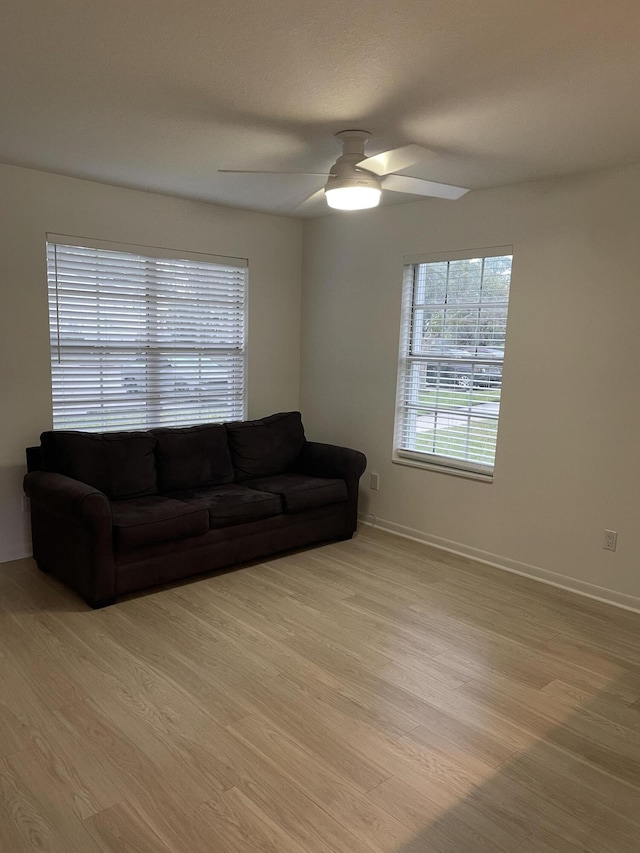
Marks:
<point>371,695</point>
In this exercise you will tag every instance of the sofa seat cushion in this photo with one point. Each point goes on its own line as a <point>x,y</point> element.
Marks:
<point>300,492</point>
<point>231,504</point>
<point>151,520</point>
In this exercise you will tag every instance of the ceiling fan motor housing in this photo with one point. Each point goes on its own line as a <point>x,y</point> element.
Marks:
<point>346,175</point>
<point>344,172</point>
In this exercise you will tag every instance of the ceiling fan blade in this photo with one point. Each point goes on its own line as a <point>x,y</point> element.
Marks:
<point>418,186</point>
<point>394,160</point>
<point>262,172</point>
<point>310,199</point>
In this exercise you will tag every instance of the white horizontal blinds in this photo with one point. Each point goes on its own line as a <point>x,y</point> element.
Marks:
<point>142,340</point>
<point>452,352</point>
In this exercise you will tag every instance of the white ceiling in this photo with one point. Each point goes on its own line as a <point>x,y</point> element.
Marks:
<point>159,94</point>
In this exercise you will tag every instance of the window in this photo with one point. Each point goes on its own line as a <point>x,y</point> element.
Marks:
<point>143,337</point>
<point>454,320</point>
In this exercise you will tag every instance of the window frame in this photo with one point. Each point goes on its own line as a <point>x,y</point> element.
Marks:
<point>195,360</point>
<point>421,459</point>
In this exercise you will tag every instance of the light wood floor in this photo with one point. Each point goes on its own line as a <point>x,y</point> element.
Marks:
<point>371,695</point>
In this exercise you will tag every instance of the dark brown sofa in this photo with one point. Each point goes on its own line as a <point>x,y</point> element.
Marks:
<point>112,513</point>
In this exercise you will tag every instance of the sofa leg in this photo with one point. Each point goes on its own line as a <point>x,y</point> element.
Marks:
<point>104,602</point>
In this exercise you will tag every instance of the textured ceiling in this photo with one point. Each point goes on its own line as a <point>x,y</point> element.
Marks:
<point>160,94</point>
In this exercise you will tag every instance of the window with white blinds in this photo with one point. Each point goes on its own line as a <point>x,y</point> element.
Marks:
<point>142,337</point>
<point>454,321</point>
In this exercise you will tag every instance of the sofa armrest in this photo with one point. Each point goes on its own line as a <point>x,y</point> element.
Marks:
<point>329,460</point>
<point>68,498</point>
<point>71,526</point>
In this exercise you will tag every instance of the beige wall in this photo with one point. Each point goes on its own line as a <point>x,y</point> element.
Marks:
<point>32,203</point>
<point>568,457</point>
<point>568,460</point>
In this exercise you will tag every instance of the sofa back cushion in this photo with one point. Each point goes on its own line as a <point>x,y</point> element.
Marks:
<point>266,446</point>
<point>120,464</point>
<point>190,457</point>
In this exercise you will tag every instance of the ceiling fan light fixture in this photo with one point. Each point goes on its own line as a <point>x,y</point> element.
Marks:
<point>351,189</point>
<point>352,198</point>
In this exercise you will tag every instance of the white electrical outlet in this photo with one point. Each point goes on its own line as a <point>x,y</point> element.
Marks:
<point>374,482</point>
<point>610,540</point>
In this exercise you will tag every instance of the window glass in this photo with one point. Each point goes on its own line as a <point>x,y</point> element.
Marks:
<point>451,360</point>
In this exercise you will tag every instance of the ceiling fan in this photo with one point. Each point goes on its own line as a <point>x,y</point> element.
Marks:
<point>355,181</point>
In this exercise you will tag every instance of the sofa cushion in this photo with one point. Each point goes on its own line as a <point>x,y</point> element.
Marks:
<point>151,520</point>
<point>231,504</point>
<point>265,446</point>
<point>120,464</point>
<point>192,456</point>
<point>300,492</point>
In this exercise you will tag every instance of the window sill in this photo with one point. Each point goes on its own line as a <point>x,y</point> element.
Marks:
<point>442,468</point>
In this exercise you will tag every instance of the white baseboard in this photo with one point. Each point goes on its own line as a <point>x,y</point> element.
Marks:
<point>589,590</point>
